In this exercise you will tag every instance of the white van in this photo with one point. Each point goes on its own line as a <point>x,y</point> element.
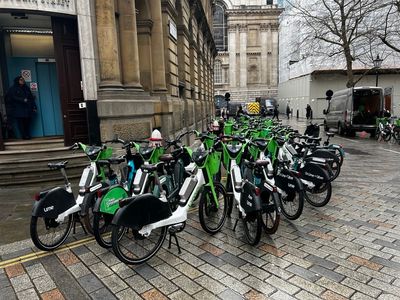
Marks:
<point>354,109</point>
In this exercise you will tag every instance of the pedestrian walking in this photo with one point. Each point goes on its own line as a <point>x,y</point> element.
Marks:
<point>308,111</point>
<point>287,111</point>
<point>21,103</point>
<point>263,112</point>
<point>276,113</point>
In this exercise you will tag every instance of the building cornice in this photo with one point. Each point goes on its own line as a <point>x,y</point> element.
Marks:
<point>257,12</point>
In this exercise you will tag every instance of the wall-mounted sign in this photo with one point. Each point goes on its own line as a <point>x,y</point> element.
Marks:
<point>26,74</point>
<point>59,6</point>
<point>172,29</point>
<point>33,86</point>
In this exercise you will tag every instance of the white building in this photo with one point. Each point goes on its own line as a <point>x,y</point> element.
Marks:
<point>304,79</point>
<point>246,37</point>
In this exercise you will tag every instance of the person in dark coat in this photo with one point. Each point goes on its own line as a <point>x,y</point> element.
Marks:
<point>276,113</point>
<point>308,111</point>
<point>287,111</point>
<point>21,103</point>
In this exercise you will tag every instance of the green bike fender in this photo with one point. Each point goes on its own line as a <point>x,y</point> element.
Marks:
<point>110,201</point>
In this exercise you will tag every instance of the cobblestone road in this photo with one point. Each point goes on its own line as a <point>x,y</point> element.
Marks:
<point>349,249</point>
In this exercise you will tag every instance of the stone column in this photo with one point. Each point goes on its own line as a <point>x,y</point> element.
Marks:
<point>269,50</point>
<point>274,55</point>
<point>264,53</point>
<point>110,76</point>
<point>232,55</point>
<point>129,45</point>
<point>243,55</point>
<point>157,47</point>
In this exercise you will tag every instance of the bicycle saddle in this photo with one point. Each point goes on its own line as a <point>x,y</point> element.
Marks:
<point>314,139</point>
<point>166,158</point>
<point>151,167</point>
<point>330,134</point>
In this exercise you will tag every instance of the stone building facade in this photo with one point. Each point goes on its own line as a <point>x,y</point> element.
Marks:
<point>155,65</point>
<point>246,36</point>
<point>118,66</point>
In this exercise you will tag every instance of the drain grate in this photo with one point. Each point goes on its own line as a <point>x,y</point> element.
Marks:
<point>353,151</point>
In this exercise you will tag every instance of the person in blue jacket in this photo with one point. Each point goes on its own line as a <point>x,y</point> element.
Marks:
<point>21,106</point>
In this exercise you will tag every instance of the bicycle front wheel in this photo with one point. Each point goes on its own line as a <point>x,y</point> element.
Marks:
<point>133,248</point>
<point>102,229</point>
<point>47,234</point>
<point>319,195</point>
<point>252,227</point>
<point>212,216</point>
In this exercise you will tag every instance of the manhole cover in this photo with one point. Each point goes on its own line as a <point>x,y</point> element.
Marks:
<point>353,151</point>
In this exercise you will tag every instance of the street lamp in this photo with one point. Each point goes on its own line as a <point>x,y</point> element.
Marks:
<point>377,65</point>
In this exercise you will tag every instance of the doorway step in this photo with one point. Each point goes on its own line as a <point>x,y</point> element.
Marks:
<point>25,162</point>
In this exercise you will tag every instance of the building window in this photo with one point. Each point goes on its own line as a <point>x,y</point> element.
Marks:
<point>270,2</point>
<point>220,28</point>
<point>226,75</point>
<point>217,72</point>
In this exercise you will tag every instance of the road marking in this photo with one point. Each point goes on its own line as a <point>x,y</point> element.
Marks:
<point>36,255</point>
<point>40,254</point>
<point>390,150</point>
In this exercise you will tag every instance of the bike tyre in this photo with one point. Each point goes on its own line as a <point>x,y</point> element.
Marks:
<point>253,236</point>
<point>326,199</point>
<point>88,220</point>
<point>117,247</point>
<point>297,213</point>
<point>220,190</point>
<point>99,231</point>
<point>48,247</point>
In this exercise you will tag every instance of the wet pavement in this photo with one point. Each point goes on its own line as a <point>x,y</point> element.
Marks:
<point>349,249</point>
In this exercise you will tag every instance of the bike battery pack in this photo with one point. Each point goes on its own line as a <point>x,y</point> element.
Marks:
<point>187,189</point>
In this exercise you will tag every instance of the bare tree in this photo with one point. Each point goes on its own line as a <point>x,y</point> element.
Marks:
<point>390,31</point>
<point>337,29</point>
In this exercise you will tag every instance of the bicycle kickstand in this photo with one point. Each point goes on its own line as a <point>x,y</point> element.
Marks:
<point>176,241</point>
<point>77,219</point>
<point>234,227</point>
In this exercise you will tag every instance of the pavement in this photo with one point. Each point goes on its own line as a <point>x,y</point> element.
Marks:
<point>349,249</point>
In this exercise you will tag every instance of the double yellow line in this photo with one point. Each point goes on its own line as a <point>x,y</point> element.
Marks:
<point>39,254</point>
<point>36,255</point>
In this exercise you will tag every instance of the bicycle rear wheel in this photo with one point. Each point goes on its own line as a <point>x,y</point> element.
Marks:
<point>319,195</point>
<point>47,234</point>
<point>292,204</point>
<point>212,218</point>
<point>270,214</point>
<point>132,248</point>
<point>252,227</point>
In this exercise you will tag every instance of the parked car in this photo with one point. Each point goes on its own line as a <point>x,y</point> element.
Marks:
<point>354,109</point>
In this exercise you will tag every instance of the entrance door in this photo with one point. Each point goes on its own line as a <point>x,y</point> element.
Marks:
<point>49,99</point>
<point>66,46</point>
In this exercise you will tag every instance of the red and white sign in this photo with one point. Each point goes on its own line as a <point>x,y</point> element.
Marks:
<point>33,86</point>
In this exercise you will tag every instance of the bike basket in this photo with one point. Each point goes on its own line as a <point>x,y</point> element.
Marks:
<point>106,153</point>
<point>209,142</point>
<point>228,128</point>
<point>213,162</point>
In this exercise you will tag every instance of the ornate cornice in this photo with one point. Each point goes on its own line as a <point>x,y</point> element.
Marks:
<point>258,12</point>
